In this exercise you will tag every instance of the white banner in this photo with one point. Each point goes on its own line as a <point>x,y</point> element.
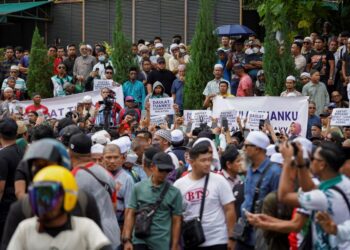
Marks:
<point>59,106</point>
<point>340,117</point>
<point>100,84</point>
<point>161,106</point>
<point>282,111</point>
<point>254,118</point>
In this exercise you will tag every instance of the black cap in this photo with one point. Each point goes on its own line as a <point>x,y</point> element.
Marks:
<point>80,143</point>
<point>163,161</point>
<point>67,132</point>
<point>160,60</point>
<point>150,152</point>
<point>8,128</point>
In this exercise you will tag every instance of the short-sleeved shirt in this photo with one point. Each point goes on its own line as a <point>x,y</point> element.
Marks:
<point>212,87</point>
<point>245,83</point>
<point>145,193</point>
<point>178,88</point>
<point>316,58</point>
<point>41,108</point>
<point>85,234</point>
<point>331,201</point>
<point>20,84</point>
<point>219,194</point>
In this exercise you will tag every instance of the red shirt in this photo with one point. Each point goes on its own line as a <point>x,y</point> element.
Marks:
<point>42,108</point>
<point>245,85</point>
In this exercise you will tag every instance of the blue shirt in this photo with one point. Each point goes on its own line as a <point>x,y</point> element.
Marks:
<point>136,90</point>
<point>178,88</point>
<point>268,185</point>
<point>314,119</point>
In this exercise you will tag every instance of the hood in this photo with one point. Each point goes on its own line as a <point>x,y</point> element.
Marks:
<point>156,84</point>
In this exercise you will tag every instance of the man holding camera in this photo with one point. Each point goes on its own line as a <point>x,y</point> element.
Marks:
<point>262,178</point>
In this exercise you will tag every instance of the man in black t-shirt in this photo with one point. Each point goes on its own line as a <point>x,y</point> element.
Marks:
<point>323,61</point>
<point>166,77</point>
<point>10,156</point>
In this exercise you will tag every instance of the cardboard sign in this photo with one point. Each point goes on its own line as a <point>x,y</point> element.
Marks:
<point>231,116</point>
<point>197,117</point>
<point>161,106</point>
<point>100,84</point>
<point>254,119</point>
<point>340,117</point>
<point>158,120</point>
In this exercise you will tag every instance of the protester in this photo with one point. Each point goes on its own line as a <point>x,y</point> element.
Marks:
<point>134,88</point>
<point>290,88</point>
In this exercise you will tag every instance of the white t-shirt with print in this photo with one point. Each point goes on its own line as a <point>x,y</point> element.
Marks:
<point>218,194</point>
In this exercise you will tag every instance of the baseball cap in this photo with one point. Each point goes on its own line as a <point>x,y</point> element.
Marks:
<point>177,135</point>
<point>259,139</point>
<point>165,134</point>
<point>80,143</point>
<point>129,98</point>
<point>163,161</point>
<point>160,60</point>
<point>8,127</point>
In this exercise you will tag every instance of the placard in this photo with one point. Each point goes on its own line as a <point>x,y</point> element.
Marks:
<point>231,116</point>
<point>197,117</point>
<point>254,118</point>
<point>161,106</point>
<point>100,84</point>
<point>340,117</point>
<point>158,120</point>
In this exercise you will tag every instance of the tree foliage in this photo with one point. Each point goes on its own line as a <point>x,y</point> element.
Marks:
<point>203,48</point>
<point>40,67</point>
<point>121,53</point>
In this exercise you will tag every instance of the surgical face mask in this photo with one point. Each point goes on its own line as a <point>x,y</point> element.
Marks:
<point>249,51</point>
<point>182,50</point>
<point>255,50</point>
<point>101,58</point>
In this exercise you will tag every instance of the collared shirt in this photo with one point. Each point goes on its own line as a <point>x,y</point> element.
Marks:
<point>178,88</point>
<point>20,84</point>
<point>58,83</point>
<point>231,181</point>
<point>317,93</point>
<point>145,193</point>
<point>213,87</point>
<point>268,185</point>
<point>286,93</point>
<point>136,90</point>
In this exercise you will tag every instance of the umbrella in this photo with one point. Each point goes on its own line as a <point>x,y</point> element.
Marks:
<point>233,30</point>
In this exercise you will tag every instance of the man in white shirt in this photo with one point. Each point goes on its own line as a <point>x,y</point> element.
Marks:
<point>218,206</point>
<point>162,139</point>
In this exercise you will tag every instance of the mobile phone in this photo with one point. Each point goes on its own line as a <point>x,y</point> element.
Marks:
<point>189,127</point>
<point>224,123</point>
<point>261,124</point>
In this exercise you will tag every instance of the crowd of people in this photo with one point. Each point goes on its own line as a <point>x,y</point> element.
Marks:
<point>106,177</point>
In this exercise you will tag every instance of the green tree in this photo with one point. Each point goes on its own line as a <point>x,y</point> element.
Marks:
<point>40,67</point>
<point>203,48</point>
<point>121,54</point>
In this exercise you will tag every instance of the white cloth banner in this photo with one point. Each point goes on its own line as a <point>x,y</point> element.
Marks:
<point>340,117</point>
<point>59,106</point>
<point>161,106</point>
<point>100,84</point>
<point>282,111</point>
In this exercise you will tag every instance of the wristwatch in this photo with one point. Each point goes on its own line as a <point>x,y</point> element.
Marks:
<point>125,240</point>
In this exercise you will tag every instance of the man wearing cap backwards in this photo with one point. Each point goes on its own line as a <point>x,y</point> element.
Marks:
<point>255,150</point>
<point>97,181</point>
<point>166,221</point>
<point>219,215</point>
<point>161,74</point>
<point>53,195</point>
<point>83,64</point>
<point>160,52</point>
<point>290,87</point>
<point>10,156</point>
<point>114,156</point>
<point>212,87</point>
<point>37,106</point>
<point>162,140</point>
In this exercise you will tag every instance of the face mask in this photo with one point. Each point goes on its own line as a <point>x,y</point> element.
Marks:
<point>255,50</point>
<point>249,51</point>
<point>101,58</point>
<point>182,50</point>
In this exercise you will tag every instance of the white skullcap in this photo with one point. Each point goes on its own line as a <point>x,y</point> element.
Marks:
<point>147,43</point>
<point>88,46</point>
<point>218,65</point>
<point>182,45</point>
<point>258,139</point>
<point>131,157</point>
<point>305,74</point>
<point>177,135</point>
<point>101,137</point>
<point>143,48</point>
<point>8,89</point>
<point>87,99</point>
<point>14,67</point>
<point>277,158</point>
<point>308,39</point>
<point>174,46</point>
<point>123,143</point>
<point>159,45</point>
<point>290,78</point>
<point>97,149</point>
<point>270,150</point>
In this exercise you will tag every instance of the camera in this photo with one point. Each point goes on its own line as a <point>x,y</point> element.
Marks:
<point>108,101</point>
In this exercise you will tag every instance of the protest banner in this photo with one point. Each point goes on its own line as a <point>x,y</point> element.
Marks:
<point>161,106</point>
<point>254,118</point>
<point>158,120</point>
<point>197,117</point>
<point>231,116</point>
<point>340,117</point>
<point>59,106</point>
<point>282,111</point>
<point>100,84</point>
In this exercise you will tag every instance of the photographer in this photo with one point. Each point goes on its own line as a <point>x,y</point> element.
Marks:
<point>107,109</point>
